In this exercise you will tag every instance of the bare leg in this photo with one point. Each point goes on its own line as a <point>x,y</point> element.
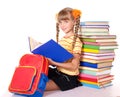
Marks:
<point>51,86</point>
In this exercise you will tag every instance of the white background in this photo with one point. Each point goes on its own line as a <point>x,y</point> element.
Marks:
<point>22,18</point>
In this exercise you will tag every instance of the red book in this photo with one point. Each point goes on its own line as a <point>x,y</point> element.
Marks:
<point>95,78</point>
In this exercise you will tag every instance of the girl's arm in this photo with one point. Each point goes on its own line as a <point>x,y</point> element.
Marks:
<point>73,65</point>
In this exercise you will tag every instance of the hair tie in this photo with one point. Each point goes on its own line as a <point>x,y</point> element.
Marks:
<point>76,13</point>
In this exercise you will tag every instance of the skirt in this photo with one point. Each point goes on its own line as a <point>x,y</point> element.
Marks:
<point>64,81</point>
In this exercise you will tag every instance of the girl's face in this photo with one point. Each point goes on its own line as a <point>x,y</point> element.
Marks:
<point>66,25</point>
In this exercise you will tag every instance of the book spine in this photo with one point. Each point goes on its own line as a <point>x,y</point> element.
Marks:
<point>95,26</point>
<point>90,85</point>
<point>94,33</point>
<point>97,40</point>
<point>94,23</point>
<point>90,50</point>
<point>91,46</point>
<point>99,36</point>
<point>101,43</point>
<point>88,79</point>
<point>88,64</point>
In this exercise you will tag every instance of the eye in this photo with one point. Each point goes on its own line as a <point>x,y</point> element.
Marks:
<point>60,22</point>
<point>66,21</point>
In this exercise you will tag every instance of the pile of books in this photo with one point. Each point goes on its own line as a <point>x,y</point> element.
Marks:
<point>97,54</point>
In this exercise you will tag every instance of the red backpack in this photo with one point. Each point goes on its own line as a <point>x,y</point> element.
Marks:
<point>30,77</point>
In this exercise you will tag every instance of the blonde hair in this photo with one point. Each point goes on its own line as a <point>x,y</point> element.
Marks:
<point>66,14</point>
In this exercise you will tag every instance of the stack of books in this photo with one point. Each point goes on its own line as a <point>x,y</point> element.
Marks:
<point>97,54</point>
<point>94,28</point>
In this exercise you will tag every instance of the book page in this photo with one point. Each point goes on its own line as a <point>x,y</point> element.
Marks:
<point>33,43</point>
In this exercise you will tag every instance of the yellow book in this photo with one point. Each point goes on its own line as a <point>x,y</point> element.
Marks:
<point>96,83</point>
<point>94,69</point>
<point>89,82</point>
<point>97,51</point>
<point>96,61</point>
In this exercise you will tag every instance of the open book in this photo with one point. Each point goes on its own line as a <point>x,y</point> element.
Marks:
<point>33,43</point>
<point>50,49</point>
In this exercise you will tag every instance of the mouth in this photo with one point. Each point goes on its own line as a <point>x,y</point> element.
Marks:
<point>64,29</point>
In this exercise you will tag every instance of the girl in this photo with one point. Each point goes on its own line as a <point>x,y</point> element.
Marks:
<point>65,75</point>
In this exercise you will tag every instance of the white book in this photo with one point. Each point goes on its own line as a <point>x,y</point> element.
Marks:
<point>99,54</point>
<point>97,57</point>
<point>103,72</point>
<point>99,36</point>
<point>93,33</point>
<point>94,30</point>
<point>99,23</point>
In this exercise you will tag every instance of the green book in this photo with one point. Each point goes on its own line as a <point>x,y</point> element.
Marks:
<point>95,73</point>
<point>98,40</point>
<point>97,47</point>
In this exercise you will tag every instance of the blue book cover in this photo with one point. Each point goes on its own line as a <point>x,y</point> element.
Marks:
<point>87,64</point>
<point>96,65</point>
<point>96,86</point>
<point>53,50</point>
<point>95,23</point>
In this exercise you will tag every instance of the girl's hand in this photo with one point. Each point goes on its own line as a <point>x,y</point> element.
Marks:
<point>51,62</point>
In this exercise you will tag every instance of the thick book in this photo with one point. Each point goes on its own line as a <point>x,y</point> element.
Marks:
<point>94,72</point>
<point>101,43</point>
<point>96,83</point>
<point>94,77</point>
<point>101,54</point>
<point>99,39</point>
<point>99,23</point>
<point>94,30</point>
<point>96,65</point>
<point>95,26</point>
<point>97,86</point>
<point>51,49</point>
<point>88,50</point>
<point>97,47</point>
<point>93,33</point>
<point>99,36</point>
<point>97,57</point>
<point>97,80</point>
<point>96,61</point>
<point>94,69</point>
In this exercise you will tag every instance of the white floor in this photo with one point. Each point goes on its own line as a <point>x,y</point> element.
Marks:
<point>112,91</point>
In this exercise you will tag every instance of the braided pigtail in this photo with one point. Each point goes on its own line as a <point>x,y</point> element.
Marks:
<point>57,32</point>
<point>76,14</point>
<point>76,30</point>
